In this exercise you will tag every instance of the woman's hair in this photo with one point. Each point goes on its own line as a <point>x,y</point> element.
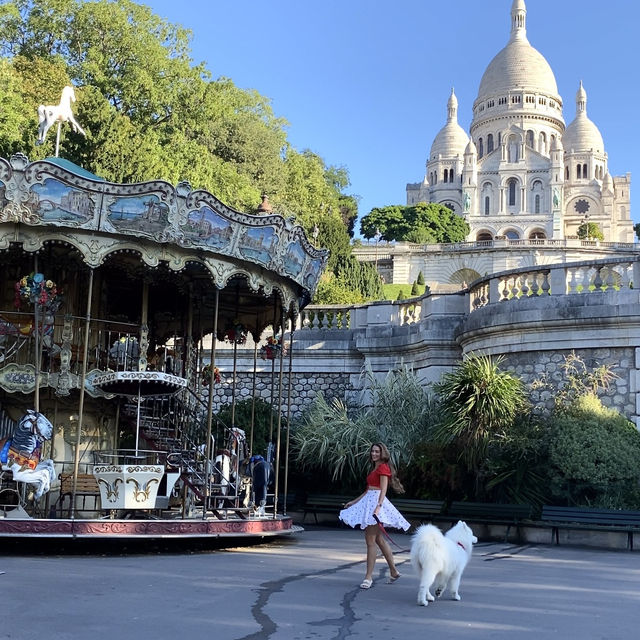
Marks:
<point>385,457</point>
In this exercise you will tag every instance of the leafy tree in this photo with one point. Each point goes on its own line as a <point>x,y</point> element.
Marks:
<point>636,228</point>
<point>150,112</point>
<point>401,295</point>
<point>420,223</point>
<point>590,231</point>
<point>595,456</point>
<point>263,414</point>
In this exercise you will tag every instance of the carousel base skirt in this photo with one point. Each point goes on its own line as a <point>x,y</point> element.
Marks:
<point>146,529</point>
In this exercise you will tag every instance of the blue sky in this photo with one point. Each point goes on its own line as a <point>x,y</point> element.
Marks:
<point>364,83</point>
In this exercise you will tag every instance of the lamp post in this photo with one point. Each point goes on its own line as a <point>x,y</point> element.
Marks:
<point>377,237</point>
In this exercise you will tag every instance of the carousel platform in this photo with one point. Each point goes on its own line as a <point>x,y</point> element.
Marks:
<point>43,528</point>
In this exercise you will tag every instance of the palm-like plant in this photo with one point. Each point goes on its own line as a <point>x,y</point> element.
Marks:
<point>477,401</point>
<point>395,411</point>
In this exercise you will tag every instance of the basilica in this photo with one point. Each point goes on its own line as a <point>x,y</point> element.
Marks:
<point>522,174</point>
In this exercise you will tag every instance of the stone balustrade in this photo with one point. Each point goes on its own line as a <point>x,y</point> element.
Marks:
<point>534,317</point>
<point>585,277</point>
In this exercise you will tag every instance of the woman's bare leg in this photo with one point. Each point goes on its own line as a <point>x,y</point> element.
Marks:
<point>370,534</point>
<point>387,553</point>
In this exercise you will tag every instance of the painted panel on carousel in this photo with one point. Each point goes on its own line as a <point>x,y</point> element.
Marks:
<point>294,259</point>
<point>206,227</point>
<point>3,199</point>
<point>312,273</point>
<point>258,244</point>
<point>55,202</point>
<point>145,215</point>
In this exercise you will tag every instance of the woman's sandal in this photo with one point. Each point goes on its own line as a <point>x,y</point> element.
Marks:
<point>392,579</point>
<point>366,584</point>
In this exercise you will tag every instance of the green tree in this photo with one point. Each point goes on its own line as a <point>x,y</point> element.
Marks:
<point>415,290</point>
<point>636,228</point>
<point>420,279</point>
<point>590,231</point>
<point>421,223</point>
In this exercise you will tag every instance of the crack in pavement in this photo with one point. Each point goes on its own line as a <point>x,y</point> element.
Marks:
<point>344,623</point>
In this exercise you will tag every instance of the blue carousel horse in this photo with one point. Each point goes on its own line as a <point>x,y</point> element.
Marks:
<point>20,454</point>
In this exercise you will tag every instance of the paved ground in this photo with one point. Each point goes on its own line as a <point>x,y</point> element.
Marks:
<point>306,587</point>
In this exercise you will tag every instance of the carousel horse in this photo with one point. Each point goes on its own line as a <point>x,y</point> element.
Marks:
<point>261,473</point>
<point>20,454</point>
<point>48,115</point>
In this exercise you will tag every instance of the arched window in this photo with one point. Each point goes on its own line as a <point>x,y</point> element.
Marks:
<point>537,234</point>
<point>446,176</point>
<point>487,205</point>
<point>480,148</point>
<point>566,173</point>
<point>512,192</point>
<point>537,204</point>
<point>490,143</point>
<point>584,171</point>
<point>579,172</point>
<point>512,234</point>
<point>484,236</point>
<point>530,138</point>
<point>542,143</point>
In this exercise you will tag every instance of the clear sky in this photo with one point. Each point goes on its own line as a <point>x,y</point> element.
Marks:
<point>364,83</point>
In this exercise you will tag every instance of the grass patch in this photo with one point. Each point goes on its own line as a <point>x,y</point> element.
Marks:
<point>391,290</point>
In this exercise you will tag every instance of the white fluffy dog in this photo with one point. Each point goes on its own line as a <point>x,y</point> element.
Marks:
<point>440,559</point>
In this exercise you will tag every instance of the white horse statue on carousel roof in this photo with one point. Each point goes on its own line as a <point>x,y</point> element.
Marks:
<point>20,454</point>
<point>48,115</point>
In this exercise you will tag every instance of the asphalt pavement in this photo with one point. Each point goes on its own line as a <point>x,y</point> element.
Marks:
<point>307,587</point>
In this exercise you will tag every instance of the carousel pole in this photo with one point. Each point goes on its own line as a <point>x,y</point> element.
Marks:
<point>289,388</point>
<point>142,363</point>
<point>212,364</point>
<point>36,334</point>
<point>279,436</point>
<point>273,375</point>
<point>83,377</point>
<point>233,384</point>
<point>253,395</point>
<point>235,370</point>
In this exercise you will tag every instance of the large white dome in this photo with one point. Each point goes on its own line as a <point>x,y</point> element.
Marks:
<point>582,134</point>
<point>518,65</point>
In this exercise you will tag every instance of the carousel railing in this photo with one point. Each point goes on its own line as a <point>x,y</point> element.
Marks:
<point>112,345</point>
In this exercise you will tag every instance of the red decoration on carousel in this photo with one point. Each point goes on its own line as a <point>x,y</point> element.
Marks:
<point>271,350</point>
<point>206,375</point>
<point>236,333</point>
<point>35,289</point>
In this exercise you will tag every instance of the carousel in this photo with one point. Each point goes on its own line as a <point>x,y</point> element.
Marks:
<point>114,300</point>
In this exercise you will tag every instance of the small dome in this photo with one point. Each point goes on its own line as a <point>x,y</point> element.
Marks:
<point>582,134</point>
<point>471,148</point>
<point>451,139</point>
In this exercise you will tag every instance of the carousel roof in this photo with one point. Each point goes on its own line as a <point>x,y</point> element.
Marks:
<point>54,200</point>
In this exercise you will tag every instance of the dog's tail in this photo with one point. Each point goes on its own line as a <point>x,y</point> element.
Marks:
<point>427,541</point>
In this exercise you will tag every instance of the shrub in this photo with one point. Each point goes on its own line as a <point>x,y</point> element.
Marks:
<point>594,455</point>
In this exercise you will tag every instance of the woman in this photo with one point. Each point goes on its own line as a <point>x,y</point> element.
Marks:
<point>373,504</point>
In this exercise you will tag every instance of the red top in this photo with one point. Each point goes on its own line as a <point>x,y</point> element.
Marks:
<point>373,479</point>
